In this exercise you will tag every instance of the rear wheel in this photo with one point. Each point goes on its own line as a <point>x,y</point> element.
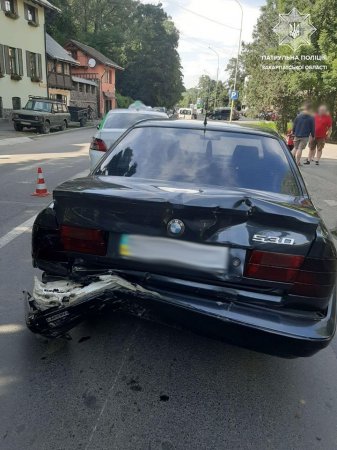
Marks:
<point>63,126</point>
<point>45,128</point>
<point>18,127</point>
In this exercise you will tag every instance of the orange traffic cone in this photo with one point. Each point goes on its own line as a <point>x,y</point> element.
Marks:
<point>41,188</point>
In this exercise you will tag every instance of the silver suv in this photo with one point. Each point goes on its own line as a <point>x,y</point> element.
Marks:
<point>42,114</point>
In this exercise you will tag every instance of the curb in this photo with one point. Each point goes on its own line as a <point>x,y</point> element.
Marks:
<point>30,137</point>
<point>68,130</point>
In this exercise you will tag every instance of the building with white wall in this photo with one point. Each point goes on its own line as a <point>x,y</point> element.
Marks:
<point>22,52</point>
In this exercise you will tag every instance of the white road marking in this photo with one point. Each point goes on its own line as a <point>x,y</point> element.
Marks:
<point>27,225</point>
<point>13,141</point>
<point>15,232</point>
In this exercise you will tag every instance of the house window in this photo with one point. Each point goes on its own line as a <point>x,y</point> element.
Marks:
<point>110,76</point>
<point>93,90</point>
<point>2,61</point>
<point>10,8</point>
<point>59,67</point>
<point>106,77</point>
<point>34,66</point>
<point>51,66</point>
<point>66,69</point>
<point>81,87</point>
<point>31,14</point>
<point>13,62</point>
<point>74,54</point>
<point>87,88</point>
<point>75,86</point>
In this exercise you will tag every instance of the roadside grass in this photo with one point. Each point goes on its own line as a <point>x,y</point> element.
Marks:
<point>262,125</point>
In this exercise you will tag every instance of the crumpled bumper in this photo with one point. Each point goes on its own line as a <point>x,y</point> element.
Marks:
<point>55,307</point>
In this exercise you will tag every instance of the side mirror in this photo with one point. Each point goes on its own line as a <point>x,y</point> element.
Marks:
<point>97,127</point>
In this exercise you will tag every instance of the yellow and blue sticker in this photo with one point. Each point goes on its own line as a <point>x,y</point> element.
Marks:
<point>124,249</point>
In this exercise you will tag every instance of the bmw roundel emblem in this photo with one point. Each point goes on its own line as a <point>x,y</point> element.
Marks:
<point>175,227</point>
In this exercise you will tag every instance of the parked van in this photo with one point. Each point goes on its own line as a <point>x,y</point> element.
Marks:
<point>185,113</point>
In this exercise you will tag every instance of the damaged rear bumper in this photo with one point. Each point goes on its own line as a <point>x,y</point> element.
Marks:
<point>57,306</point>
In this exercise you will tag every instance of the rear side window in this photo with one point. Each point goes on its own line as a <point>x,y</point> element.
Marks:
<point>213,158</point>
<point>126,120</point>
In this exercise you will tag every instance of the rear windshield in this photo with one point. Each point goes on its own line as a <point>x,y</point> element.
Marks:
<point>185,111</point>
<point>213,158</point>
<point>126,120</point>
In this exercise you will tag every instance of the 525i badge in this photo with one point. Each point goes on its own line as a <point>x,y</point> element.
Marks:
<point>273,240</point>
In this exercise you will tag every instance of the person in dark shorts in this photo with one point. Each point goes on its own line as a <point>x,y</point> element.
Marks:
<point>323,128</point>
<point>303,128</point>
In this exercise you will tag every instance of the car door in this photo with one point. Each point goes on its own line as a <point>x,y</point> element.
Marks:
<point>54,117</point>
<point>60,114</point>
<point>65,113</point>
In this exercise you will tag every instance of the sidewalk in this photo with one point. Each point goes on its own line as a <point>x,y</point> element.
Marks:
<point>8,136</point>
<point>329,152</point>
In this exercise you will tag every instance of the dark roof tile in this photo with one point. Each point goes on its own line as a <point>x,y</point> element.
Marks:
<point>56,51</point>
<point>95,54</point>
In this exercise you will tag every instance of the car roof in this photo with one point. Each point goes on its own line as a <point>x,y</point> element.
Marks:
<point>211,125</point>
<point>132,111</point>
<point>49,100</point>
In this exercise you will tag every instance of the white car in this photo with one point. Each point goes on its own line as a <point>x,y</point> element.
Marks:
<point>113,126</point>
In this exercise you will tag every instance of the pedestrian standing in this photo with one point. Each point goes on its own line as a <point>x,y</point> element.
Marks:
<point>303,128</point>
<point>323,129</point>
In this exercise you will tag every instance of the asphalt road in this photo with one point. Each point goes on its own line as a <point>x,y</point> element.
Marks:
<point>122,383</point>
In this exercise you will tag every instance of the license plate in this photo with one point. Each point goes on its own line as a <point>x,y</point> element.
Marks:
<point>173,252</point>
<point>25,123</point>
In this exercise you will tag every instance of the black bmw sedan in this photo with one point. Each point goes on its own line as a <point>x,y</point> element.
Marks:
<point>209,224</point>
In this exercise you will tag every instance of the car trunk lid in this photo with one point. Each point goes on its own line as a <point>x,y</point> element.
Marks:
<point>237,220</point>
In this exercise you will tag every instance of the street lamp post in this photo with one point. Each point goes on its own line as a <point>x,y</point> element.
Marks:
<point>217,75</point>
<point>237,60</point>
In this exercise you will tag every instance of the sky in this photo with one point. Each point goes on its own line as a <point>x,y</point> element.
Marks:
<point>198,33</point>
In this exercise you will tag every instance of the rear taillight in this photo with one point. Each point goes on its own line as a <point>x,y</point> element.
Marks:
<point>316,278</point>
<point>83,240</point>
<point>273,266</point>
<point>98,144</point>
<point>310,277</point>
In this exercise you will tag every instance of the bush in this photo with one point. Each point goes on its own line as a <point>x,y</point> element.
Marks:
<point>123,102</point>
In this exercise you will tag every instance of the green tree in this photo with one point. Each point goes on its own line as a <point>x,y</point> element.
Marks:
<point>141,38</point>
<point>152,70</point>
<point>212,93</point>
<point>286,90</point>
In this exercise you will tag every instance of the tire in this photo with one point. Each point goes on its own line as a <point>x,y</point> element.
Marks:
<point>45,128</point>
<point>18,127</point>
<point>63,126</point>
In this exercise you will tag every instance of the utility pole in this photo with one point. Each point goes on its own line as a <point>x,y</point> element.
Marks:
<point>217,76</point>
<point>237,60</point>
